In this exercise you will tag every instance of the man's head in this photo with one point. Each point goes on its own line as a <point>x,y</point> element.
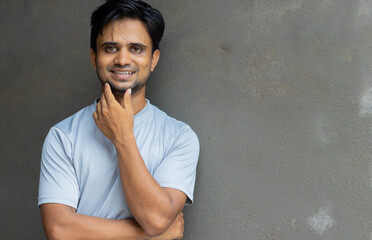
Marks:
<point>114,10</point>
<point>125,36</point>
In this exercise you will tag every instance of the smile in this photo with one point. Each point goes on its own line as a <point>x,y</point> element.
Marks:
<point>123,73</point>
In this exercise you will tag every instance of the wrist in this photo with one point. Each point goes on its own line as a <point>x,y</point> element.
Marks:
<point>125,141</point>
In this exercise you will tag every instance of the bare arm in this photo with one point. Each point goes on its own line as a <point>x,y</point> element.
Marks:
<point>62,222</point>
<point>153,207</point>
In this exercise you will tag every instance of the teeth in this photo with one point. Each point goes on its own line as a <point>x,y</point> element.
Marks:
<point>126,73</point>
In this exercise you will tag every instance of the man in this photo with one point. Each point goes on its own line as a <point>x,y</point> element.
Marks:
<point>119,168</point>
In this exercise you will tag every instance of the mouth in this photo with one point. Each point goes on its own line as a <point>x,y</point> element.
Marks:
<point>123,72</point>
<point>123,75</point>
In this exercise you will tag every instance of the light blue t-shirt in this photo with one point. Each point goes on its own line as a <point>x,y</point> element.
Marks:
<point>79,164</point>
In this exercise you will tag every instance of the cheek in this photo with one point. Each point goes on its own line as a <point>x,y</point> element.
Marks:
<point>100,65</point>
<point>103,62</point>
<point>146,65</point>
<point>143,62</point>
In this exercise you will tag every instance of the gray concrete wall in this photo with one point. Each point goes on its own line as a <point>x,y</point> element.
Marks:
<point>278,91</point>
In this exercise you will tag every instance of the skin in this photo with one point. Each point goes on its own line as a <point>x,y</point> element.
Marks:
<point>123,47</point>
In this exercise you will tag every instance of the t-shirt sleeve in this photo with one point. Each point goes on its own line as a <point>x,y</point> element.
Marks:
<point>178,168</point>
<point>58,182</point>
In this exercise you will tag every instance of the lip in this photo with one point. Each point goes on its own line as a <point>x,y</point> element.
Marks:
<point>122,74</point>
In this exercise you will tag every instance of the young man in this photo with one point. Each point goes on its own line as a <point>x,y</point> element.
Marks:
<point>119,168</point>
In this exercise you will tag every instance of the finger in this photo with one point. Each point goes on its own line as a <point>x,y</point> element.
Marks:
<point>95,117</point>
<point>128,100</point>
<point>109,97</point>
<point>102,103</point>
<point>99,107</point>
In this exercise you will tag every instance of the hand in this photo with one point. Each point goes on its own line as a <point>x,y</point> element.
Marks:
<point>174,231</point>
<point>114,119</point>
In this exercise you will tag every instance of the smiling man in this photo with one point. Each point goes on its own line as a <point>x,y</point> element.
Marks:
<point>119,168</point>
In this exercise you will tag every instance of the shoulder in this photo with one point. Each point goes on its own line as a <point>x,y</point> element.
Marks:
<point>70,125</point>
<point>174,130</point>
<point>64,132</point>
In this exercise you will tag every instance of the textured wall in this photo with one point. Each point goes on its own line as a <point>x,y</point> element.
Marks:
<point>278,91</point>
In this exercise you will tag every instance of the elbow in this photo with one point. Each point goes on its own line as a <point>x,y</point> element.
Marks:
<point>54,232</point>
<point>58,231</point>
<point>156,225</point>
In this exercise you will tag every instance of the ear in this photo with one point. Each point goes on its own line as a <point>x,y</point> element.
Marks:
<point>155,59</point>
<point>93,58</point>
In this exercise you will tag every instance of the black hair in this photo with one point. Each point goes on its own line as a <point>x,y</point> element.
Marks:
<point>113,10</point>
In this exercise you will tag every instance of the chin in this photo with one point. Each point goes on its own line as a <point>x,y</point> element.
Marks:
<point>136,86</point>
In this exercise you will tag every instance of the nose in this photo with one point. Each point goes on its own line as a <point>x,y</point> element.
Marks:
<point>122,58</point>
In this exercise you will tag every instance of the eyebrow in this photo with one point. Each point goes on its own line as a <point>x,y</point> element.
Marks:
<point>138,45</point>
<point>109,43</point>
<point>132,44</point>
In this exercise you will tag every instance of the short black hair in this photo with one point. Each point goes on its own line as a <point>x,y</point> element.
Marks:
<point>113,10</point>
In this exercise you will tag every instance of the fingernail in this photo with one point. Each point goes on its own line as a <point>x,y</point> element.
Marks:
<point>129,91</point>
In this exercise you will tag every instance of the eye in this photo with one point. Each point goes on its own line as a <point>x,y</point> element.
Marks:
<point>136,49</point>
<point>111,49</point>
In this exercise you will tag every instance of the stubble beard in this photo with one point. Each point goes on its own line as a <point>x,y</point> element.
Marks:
<point>117,91</point>
<point>136,86</point>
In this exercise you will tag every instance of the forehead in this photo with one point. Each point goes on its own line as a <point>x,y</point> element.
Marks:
<point>125,31</point>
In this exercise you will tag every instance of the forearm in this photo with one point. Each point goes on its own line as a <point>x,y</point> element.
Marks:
<point>61,222</point>
<point>148,201</point>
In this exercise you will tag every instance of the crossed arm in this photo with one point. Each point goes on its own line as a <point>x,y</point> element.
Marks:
<point>157,210</point>
<point>62,222</point>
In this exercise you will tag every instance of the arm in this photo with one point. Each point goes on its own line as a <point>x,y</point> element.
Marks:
<point>153,207</point>
<point>62,222</point>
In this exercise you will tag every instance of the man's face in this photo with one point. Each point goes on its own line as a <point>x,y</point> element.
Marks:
<point>124,57</point>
